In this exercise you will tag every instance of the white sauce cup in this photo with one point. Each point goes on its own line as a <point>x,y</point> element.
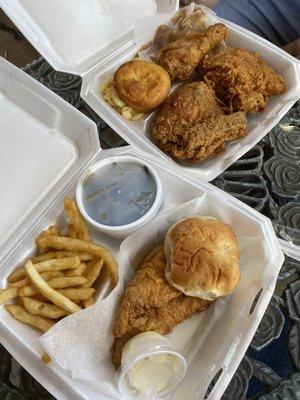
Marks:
<point>121,231</point>
<point>142,347</point>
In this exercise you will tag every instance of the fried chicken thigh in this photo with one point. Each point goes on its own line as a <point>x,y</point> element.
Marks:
<point>241,79</point>
<point>149,303</point>
<point>182,57</point>
<point>191,125</point>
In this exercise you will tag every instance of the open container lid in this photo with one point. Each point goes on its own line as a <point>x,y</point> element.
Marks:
<point>45,145</point>
<point>75,35</point>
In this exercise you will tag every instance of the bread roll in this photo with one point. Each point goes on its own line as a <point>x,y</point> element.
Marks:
<point>202,258</point>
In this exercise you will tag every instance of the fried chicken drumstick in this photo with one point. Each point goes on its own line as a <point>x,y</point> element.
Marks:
<point>149,303</point>
<point>191,125</point>
<point>182,57</point>
<point>241,79</point>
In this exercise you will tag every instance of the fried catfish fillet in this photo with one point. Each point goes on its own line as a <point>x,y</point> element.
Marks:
<point>149,303</point>
<point>182,57</point>
<point>241,79</point>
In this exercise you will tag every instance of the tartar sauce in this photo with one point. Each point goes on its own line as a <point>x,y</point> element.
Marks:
<point>153,374</point>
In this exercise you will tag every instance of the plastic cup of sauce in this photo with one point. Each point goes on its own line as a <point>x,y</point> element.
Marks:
<point>150,368</point>
<point>118,195</point>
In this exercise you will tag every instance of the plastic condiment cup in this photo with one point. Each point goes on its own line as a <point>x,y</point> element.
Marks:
<point>148,346</point>
<point>120,231</point>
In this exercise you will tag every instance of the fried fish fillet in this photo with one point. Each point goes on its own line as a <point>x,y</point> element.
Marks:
<point>241,79</point>
<point>149,303</point>
<point>148,289</point>
<point>182,57</point>
<point>191,125</point>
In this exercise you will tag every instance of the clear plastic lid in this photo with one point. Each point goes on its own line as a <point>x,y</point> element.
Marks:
<point>75,35</point>
<point>151,368</point>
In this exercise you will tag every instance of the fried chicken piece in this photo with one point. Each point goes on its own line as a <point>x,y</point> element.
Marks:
<point>191,125</point>
<point>182,57</point>
<point>188,105</point>
<point>207,138</point>
<point>241,79</point>
<point>149,303</point>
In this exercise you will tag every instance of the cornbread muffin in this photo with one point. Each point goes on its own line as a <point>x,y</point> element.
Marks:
<point>142,85</point>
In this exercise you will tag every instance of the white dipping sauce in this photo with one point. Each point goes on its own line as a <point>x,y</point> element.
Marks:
<point>150,367</point>
<point>153,374</point>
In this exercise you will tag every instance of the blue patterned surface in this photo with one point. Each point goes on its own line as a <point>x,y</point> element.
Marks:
<point>270,369</point>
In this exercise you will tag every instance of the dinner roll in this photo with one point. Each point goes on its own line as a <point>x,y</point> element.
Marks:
<point>202,258</point>
<point>142,85</point>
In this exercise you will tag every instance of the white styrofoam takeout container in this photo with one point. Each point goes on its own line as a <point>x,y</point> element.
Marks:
<point>22,341</point>
<point>95,62</point>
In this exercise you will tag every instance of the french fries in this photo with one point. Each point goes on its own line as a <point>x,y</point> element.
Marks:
<point>71,232</point>
<point>93,273</point>
<point>8,294</point>
<point>37,307</point>
<point>57,298</point>
<point>55,283</point>
<point>60,254</point>
<point>77,222</point>
<point>48,265</point>
<point>60,279</point>
<point>77,294</point>
<point>88,302</point>
<point>80,271</point>
<point>52,230</point>
<point>26,281</point>
<point>19,313</point>
<point>69,244</point>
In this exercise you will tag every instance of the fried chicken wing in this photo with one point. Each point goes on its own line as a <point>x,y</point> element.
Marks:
<point>191,125</point>
<point>182,57</point>
<point>241,79</point>
<point>149,303</point>
<point>208,138</point>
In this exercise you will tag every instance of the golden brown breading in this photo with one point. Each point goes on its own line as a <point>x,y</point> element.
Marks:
<point>162,319</point>
<point>147,289</point>
<point>208,138</point>
<point>149,303</point>
<point>241,79</point>
<point>191,126</point>
<point>142,85</point>
<point>182,57</point>
<point>188,105</point>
